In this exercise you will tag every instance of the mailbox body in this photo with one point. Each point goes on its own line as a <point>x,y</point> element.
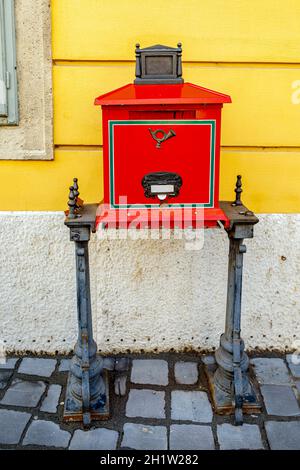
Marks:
<point>136,120</point>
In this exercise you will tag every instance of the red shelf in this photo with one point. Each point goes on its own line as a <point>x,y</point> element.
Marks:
<point>160,218</point>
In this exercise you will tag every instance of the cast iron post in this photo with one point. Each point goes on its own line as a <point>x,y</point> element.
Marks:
<point>230,376</point>
<point>229,379</point>
<point>87,389</point>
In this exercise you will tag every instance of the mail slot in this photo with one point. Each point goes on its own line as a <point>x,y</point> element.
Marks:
<point>161,185</point>
<point>161,126</point>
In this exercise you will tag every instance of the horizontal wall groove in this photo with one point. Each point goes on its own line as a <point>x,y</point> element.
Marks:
<point>78,147</point>
<point>241,148</point>
<point>118,62</point>
<point>225,148</point>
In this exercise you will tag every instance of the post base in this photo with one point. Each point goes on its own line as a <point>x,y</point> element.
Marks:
<point>223,400</point>
<point>73,407</point>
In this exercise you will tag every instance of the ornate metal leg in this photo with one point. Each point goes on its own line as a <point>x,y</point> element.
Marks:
<point>229,380</point>
<point>87,389</point>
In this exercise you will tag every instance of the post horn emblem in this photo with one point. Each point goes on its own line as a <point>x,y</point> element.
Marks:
<point>164,136</point>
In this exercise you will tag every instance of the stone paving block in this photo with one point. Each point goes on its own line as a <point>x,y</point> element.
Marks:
<point>283,435</point>
<point>295,370</point>
<point>46,433</point>
<point>298,386</point>
<point>143,437</point>
<point>12,425</point>
<point>186,372</point>
<point>37,366</point>
<point>239,437</point>
<point>51,401</point>
<point>23,393</point>
<point>64,365</point>
<point>294,364</point>
<point>146,404</point>
<point>9,364</point>
<point>271,371</point>
<point>149,371</point>
<point>5,376</point>
<point>191,406</point>
<point>97,439</point>
<point>191,437</point>
<point>280,400</point>
<point>293,358</point>
<point>120,385</point>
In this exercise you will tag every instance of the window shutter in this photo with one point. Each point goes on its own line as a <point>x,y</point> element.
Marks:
<point>8,76</point>
<point>3,70</point>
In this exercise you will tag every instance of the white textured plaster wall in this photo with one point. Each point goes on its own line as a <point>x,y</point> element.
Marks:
<point>147,294</point>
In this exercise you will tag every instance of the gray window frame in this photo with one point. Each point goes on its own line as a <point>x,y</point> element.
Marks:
<point>8,65</point>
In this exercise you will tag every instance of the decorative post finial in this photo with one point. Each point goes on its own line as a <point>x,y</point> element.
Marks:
<point>238,190</point>
<point>75,186</point>
<point>76,192</point>
<point>72,203</point>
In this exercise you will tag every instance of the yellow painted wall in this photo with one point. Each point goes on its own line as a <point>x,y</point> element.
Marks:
<point>250,50</point>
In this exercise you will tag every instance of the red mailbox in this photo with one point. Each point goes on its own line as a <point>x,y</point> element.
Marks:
<point>161,143</point>
<point>161,140</point>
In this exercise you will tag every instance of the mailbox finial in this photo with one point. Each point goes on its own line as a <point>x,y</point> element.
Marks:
<point>138,71</point>
<point>158,64</point>
<point>238,190</point>
<point>179,60</point>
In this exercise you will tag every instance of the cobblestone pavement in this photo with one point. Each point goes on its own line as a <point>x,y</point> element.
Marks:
<point>166,406</point>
